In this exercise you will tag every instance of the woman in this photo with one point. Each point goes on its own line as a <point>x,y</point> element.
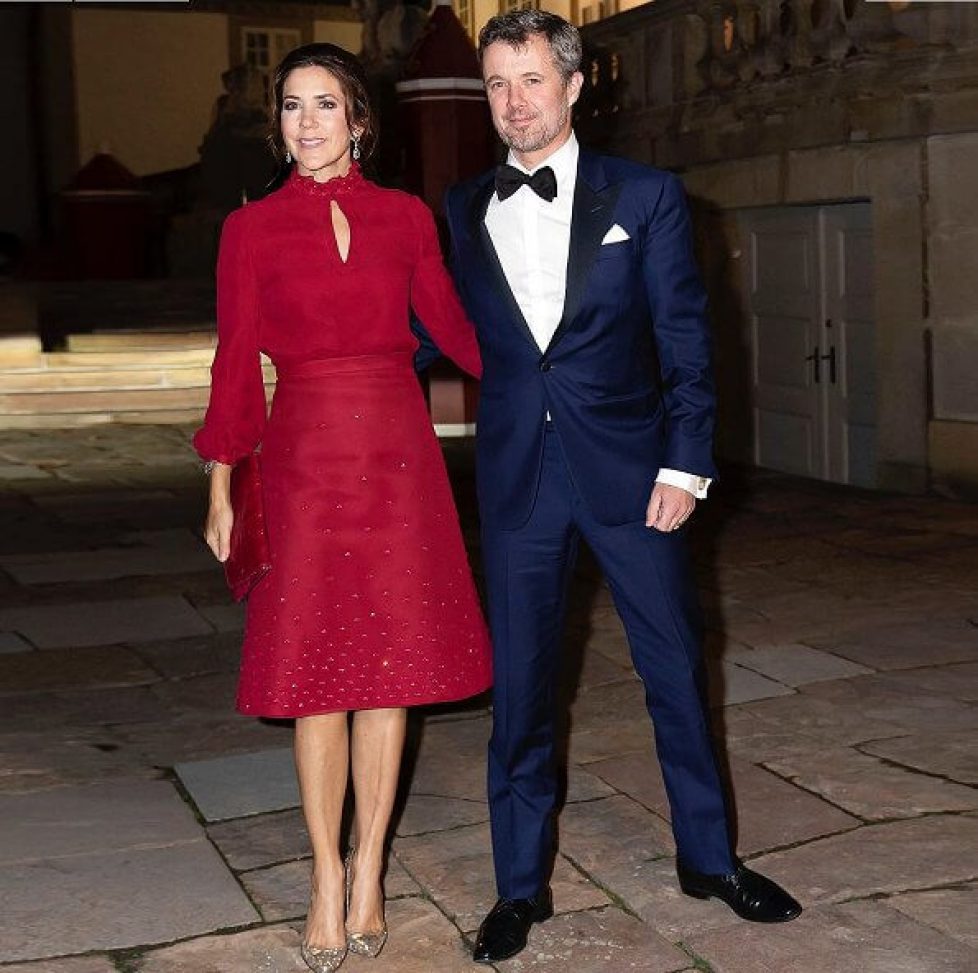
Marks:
<point>369,606</point>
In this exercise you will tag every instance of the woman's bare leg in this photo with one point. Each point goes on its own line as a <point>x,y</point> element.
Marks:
<point>322,747</point>
<point>378,742</point>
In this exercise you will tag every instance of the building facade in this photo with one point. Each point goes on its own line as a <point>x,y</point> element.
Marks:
<point>474,13</point>
<point>829,148</point>
<point>142,81</point>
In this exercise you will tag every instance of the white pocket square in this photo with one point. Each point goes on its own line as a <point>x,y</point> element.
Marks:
<point>615,235</point>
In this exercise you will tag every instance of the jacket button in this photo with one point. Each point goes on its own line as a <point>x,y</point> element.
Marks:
<point>545,366</point>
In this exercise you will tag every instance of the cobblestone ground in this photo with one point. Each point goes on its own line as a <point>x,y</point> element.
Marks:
<point>147,828</point>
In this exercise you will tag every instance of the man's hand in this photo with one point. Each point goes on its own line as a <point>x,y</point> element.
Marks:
<point>669,507</point>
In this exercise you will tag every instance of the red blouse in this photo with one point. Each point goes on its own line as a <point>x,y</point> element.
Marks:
<point>283,289</point>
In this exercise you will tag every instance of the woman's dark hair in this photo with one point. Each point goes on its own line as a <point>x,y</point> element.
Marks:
<point>348,70</point>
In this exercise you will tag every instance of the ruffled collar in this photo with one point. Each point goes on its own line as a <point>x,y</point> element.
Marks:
<point>332,188</point>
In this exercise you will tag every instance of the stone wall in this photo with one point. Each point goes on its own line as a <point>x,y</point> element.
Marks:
<point>771,103</point>
<point>952,250</point>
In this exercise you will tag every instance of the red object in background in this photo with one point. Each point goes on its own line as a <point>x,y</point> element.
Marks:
<point>445,125</point>
<point>106,221</point>
<point>447,135</point>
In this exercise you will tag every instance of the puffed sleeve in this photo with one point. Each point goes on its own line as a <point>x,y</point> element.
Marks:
<point>235,419</point>
<point>435,301</point>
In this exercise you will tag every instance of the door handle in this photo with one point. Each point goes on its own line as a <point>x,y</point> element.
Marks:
<point>830,358</point>
<point>816,359</point>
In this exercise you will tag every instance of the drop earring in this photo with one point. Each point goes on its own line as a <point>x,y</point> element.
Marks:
<point>355,151</point>
<point>288,157</point>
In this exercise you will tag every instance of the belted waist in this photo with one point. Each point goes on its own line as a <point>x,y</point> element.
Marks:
<point>323,367</point>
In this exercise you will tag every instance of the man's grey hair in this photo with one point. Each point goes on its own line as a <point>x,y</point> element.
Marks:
<point>516,27</point>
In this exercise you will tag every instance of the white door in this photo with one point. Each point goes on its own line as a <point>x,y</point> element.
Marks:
<point>811,336</point>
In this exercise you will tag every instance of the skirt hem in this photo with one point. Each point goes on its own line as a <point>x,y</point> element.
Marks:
<point>433,700</point>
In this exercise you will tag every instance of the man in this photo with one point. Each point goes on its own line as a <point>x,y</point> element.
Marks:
<point>595,421</point>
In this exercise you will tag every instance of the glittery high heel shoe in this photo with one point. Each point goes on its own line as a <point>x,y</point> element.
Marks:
<point>367,943</point>
<point>362,943</point>
<point>323,959</point>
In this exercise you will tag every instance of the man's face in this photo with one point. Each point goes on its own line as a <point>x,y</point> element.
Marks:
<point>529,100</point>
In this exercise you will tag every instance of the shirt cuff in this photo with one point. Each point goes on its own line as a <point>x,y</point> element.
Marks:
<point>696,485</point>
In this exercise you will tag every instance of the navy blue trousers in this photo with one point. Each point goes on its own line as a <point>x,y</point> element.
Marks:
<point>527,576</point>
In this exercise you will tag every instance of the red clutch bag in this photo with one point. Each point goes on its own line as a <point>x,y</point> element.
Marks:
<point>250,558</point>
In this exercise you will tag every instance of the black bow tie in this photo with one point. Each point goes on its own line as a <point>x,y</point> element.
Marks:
<point>543,182</point>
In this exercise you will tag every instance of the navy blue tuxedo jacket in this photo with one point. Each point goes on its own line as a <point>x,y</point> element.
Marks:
<point>627,378</point>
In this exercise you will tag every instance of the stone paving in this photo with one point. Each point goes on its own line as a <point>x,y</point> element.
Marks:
<point>148,829</point>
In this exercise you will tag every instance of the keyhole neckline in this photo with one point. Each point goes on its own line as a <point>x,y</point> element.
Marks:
<point>340,225</point>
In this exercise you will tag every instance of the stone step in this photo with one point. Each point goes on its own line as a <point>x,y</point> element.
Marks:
<point>142,341</point>
<point>62,396</point>
<point>159,376</point>
<point>20,350</point>
<point>63,379</point>
<point>82,420</point>
<point>148,377</point>
<point>94,379</point>
<point>128,359</point>
<point>102,400</point>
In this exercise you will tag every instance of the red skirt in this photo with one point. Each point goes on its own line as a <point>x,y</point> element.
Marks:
<point>370,600</point>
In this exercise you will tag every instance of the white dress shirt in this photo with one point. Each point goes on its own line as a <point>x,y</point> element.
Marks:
<point>532,240</point>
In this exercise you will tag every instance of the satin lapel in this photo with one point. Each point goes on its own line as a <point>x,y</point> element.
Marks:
<point>496,275</point>
<point>594,206</point>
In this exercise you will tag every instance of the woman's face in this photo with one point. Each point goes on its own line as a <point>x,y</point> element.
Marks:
<point>314,125</point>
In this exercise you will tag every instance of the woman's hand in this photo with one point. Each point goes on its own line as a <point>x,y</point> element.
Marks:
<point>220,516</point>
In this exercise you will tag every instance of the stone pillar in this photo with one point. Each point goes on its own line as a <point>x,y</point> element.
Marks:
<point>952,276</point>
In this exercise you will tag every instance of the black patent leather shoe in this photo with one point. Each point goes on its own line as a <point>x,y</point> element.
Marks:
<point>750,895</point>
<point>503,932</point>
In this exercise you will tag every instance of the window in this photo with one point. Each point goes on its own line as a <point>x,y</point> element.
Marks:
<point>593,10</point>
<point>463,10</point>
<point>264,47</point>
